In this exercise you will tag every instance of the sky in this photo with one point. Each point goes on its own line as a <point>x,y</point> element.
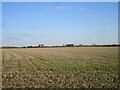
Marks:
<point>58,23</point>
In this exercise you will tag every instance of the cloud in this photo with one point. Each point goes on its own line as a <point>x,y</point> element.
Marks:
<point>61,7</point>
<point>81,9</point>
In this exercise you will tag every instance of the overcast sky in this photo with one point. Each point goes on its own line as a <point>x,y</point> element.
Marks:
<point>59,23</point>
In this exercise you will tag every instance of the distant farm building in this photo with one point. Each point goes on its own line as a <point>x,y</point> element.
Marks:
<point>41,45</point>
<point>69,45</point>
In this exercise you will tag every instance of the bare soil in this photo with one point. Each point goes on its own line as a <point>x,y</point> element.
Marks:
<point>70,67</point>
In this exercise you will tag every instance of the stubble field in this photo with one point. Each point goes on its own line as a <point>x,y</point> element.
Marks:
<point>69,67</point>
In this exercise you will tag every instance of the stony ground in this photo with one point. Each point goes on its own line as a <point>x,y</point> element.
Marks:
<point>71,67</point>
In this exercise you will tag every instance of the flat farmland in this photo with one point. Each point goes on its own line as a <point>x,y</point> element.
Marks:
<point>68,67</point>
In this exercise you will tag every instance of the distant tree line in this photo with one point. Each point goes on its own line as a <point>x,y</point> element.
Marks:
<point>67,45</point>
